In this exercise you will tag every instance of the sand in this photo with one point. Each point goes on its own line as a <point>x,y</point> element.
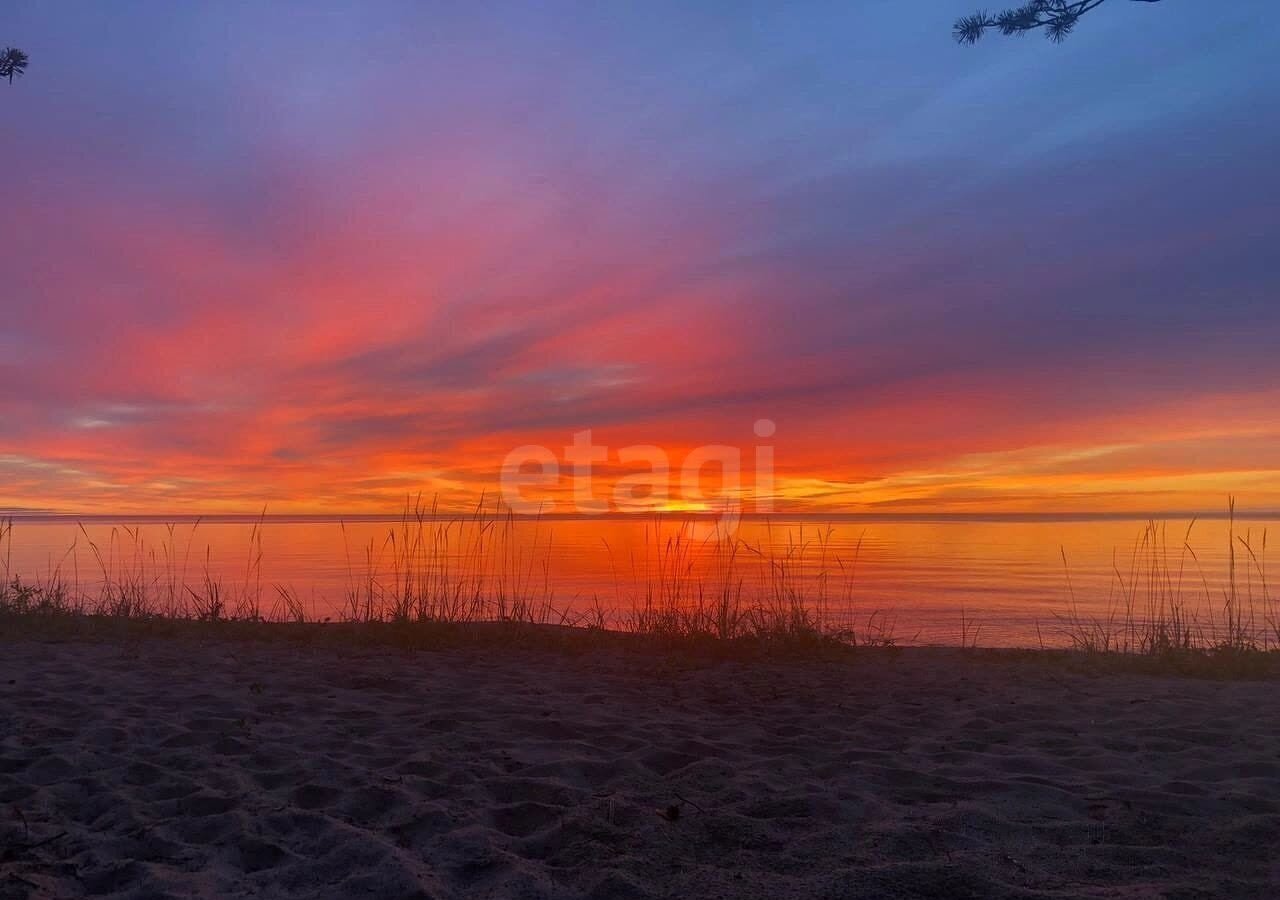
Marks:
<point>179,768</point>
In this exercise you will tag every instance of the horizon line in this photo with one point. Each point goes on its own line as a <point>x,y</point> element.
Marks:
<point>32,515</point>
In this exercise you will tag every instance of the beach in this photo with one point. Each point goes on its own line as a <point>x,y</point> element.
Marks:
<point>186,767</point>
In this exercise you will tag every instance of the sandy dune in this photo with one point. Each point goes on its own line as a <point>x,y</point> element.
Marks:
<point>182,769</point>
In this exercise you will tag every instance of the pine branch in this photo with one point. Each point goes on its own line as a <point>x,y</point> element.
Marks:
<point>1057,18</point>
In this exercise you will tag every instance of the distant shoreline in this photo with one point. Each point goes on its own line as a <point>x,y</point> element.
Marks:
<point>816,517</point>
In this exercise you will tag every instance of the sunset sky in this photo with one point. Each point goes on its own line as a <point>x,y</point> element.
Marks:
<point>319,256</point>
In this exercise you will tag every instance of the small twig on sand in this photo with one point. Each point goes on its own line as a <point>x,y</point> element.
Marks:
<point>16,850</point>
<point>684,799</point>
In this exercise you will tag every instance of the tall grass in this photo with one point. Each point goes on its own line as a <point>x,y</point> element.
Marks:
<point>725,588</point>
<point>1161,603</point>
<point>683,580</point>
<point>479,568</point>
<point>487,566</point>
<point>127,575</point>
<point>49,595</point>
<point>430,568</point>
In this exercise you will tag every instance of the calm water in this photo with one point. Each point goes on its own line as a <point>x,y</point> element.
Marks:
<point>923,577</point>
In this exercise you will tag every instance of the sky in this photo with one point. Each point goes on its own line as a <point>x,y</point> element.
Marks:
<point>318,257</point>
